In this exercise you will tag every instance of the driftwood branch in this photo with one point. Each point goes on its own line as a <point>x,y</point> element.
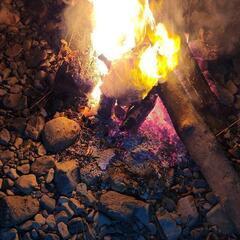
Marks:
<point>203,147</point>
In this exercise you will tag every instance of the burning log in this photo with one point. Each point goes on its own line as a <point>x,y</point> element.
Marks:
<point>138,113</point>
<point>203,147</point>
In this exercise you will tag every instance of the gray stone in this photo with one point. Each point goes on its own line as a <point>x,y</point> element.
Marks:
<point>186,208</point>
<point>60,133</point>
<point>47,203</point>
<point>169,227</point>
<point>34,127</point>
<point>42,165</point>
<point>4,136</point>
<point>66,176</point>
<point>127,208</point>
<point>216,216</point>
<point>27,183</point>
<point>63,230</point>
<point>17,209</point>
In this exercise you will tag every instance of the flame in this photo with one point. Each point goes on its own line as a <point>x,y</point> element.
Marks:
<point>161,56</point>
<point>119,26</point>
<point>124,28</point>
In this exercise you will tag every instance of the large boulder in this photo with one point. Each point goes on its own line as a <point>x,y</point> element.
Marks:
<point>17,209</point>
<point>60,133</point>
<point>67,176</point>
<point>123,207</point>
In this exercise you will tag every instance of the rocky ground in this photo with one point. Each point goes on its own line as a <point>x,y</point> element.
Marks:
<point>63,177</point>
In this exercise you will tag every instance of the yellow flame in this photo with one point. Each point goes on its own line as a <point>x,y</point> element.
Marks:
<point>122,28</point>
<point>119,26</point>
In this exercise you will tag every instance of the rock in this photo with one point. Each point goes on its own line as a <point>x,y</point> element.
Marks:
<point>8,17</point>
<point>186,208</point>
<point>24,169</point>
<point>14,101</point>
<point>60,133</point>
<point>4,136</point>
<point>76,225</point>
<point>17,209</point>
<point>62,217</point>
<point>66,176</point>
<point>169,227</point>
<point>40,219</point>
<point>216,216</point>
<point>63,230</point>
<point>85,195</point>
<point>6,155</point>
<point>18,142</point>
<point>51,222</point>
<point>11,234</point>
<point>50,175</point>
<point>42,165</point>
<point>27,183</point>
<point>14,50</point>
<point>77,207</point>
<point>225,96</point>
<point>51,236</point>
<point>127,208</point>
<point>47,203</point>
<point>12,173</point>
<point>34,127</point>
<point>232,87</point>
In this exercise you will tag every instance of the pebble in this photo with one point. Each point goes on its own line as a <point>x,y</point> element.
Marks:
<point>12,173</point>
<point>6,155</point>
<point>40,219</point>
<point>27,183</point>
<point>42,165</point>
<point>24,169</point>
<point>5,136</point>
<point>47,203</point>
<point>34,127</point>
<point>18,142</point>
<point>63,230</point>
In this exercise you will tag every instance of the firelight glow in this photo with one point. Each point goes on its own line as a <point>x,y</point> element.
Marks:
<point>121,27</point>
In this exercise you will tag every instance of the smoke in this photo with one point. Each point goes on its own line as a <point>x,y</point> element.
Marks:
<point>215,22</point>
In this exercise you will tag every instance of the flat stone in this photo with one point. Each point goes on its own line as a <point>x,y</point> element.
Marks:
<point>5,136</point>
<point>127,208</point>
<point>17,209</point>
<point>186,208</point>
<point>27,183</point>
<point>42,165</point>
<point>216,216</point>
<point>60,133</point>
<point>67,176</point>
<point>47,203</point>
<point>34,127</point>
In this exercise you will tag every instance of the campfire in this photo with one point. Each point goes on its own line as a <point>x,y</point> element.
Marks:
<point>119,119</point>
